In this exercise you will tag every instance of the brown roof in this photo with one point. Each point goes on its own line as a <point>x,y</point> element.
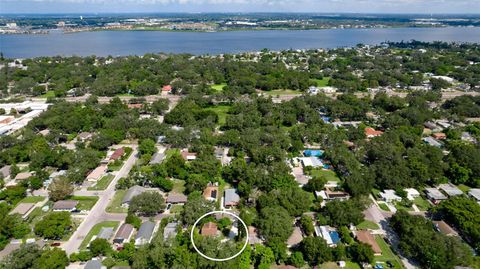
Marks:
<point>211,192</point>
<point>167,88</point>
<point>439,136</point>
<point>372,132</point>
<point>188,155</point>
<point>84,135</point>
<point>22,208</point>
<point>117,154</point>
<point>209,229</point>
<point>295,238</point>
<point>444,228</point>
<point>367,238</point>
<point>175,198</point>
<point>23,175</point>
<point>65,205</point>
<point>97,172</point>
<point>124,231</point>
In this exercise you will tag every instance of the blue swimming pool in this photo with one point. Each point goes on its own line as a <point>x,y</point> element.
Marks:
<point>313,153</point>
<point>335,237</point>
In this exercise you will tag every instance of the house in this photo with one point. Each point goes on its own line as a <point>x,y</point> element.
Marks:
<point>389,196</point>
<point>313,90</point>
<point>167,88</point>
<point>439,136</point>
<point>444,228</point>
<point>23,176</point>
<point>329,195</point>
<point>65,205</point>
<point>105,233</point>
<point>253,237</point>
<point>176,198</point>
<point>432,126</point>
<point>117,154</point>
<point>188,156</point>
<point>209,229</point>
<point>94,264</point>
<point>295,238</point>
<point>450,189</point>
<point>132,192</point>
<point>23,209</point>
<point>97,173</point>
<point>475,194</point>
<point>211,192</point>
<point>432,142</point>
<point>367,238</point>
<point>84,136</point>
<point>311,161</point>
<point>135,106</point>
<point>145,233</point>
<point>4,120</point>
<point>434,195</point>
<point>328,89</point>
<point>330,236</point>
<point>371,133</point>
<point>468,137</point>
<point>170,230</point>
<point>412,193</point>
<point>157,158</point>
<point>123,234</point>
<point>231,198</point>
<point>44,132</point>
<point>5,172</point>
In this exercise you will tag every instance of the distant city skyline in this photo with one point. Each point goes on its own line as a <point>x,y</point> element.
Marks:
<point>205,6</point>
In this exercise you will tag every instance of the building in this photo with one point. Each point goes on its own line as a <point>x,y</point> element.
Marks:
<point>170,230</point>
<point>389,196</point>
<point>313,90</point>
<point>439,136</point>
<point>211,192</point>
<point>188,156</point>
<point>84,136</point>
<point>23,176</point>
<point>367,238</point>
<point>253,237</point>
<point>123,234</point>
<point>295,238</point>
<point>94,264</point>
<point>117,154</point>
<point>329,195</point>
<point>311,161</point>
<point>450,189</point>
<point>176,198</point>
<point>412,193</point>
<point>167,88</point>
<point>209,229</point>
<point>157,158</point>
<point>6,119</point>
<point>432,142</point>
<point>434,195</point>
<point>23,209</point>
<point>444,228</point>
<point>231,198</point>
<point>330,237</point>
<point>5,172</point>
<point>65,205</point>
<point>475,194</point>
<point>132,192</point>
<point>105,233</point>
<point>97,173</point>
<point>135,106</point>
<point>371,133</point>
<point>145,233</point>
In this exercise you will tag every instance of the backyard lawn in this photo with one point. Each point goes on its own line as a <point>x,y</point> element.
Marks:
<point>334,265</point>
<point>176,209</point>
<point>85,202</point>
<point>116,205</point>
<point>422,204</point>
<point>321,82</point>
<point>222,112</point>
<point>32,199</point>
<point>48,94</point>
<point>328,174</point>
<point>96,229</point>
<point>387,254</point>
<point>282,92</point>
<point>366,224</point>
<point>102,184</point>
<point>178,186</point>
<point>384,207</point>
<point>219,87</point>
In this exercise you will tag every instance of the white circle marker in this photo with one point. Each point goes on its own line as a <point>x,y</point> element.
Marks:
<point>215,259</point>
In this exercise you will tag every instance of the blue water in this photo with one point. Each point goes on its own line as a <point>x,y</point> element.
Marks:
<point>313,153</point>
<point>104,43</point>
<point>335,237</point>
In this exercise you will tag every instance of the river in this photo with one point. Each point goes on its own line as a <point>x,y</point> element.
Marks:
<point>119,43</point>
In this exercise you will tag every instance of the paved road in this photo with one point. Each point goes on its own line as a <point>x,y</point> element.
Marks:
<point>97,213</point>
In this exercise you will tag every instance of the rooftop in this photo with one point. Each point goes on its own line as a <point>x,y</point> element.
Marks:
<point>209,229</point>
<point>450,189</point>
<point>124,231</point>
<point>367,238</point>
<point>65,205</point>
<point>22,208</point>
<point>231,197</point>
<point>146,230</point>
<point>176,198</point>
<point>132,192</point>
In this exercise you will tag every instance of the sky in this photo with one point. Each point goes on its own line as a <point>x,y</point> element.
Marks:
<point>192,6</point>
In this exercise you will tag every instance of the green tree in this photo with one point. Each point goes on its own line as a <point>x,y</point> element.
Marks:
<point>195,207</point>
<point>52,259</point>
<point>147,147</point>
<point>307,225</point>
<point>100,246</point>
<point>275,224</point>
<point>148,203</point>
<point>296,259</point>
<point>60,188</point>
<point>315,250</point>
<point>23,258</point>
<point>361,253</point>
<point>54,225</point>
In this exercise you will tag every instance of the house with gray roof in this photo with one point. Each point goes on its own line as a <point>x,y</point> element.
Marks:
<point>132,192</point>
<point>231,198</point>
<point>5,171</point>
<point>157,158</point>
<point>145,233</point>
<point>94,264</point>
<point>177,198</point>
<point>123,234</point>
<point>435,195</point>
<point>432,142</point>
<point>170,230</point>
<point>450,189</point>
<point>105,233</point>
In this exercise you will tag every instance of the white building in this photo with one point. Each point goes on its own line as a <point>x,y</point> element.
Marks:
<point>390,196</point>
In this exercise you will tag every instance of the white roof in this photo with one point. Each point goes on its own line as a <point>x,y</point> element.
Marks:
<point>389,195</point>
<point>311,161</point>
<point>475,193</point>
<point>450,189</point>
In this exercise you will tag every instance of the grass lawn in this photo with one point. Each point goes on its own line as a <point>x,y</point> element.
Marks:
<point>366,224</point>
<point>176,209</point>
<point>219,87</point>
<point>170,152</point>
<point>384,207</point>
<point>178,186</point>
<point>96,229</point>
<point>321,82</point>
<point>85,202</point>
<point>113,167</point>
<point>32,199</point>
<point>328,174</point>
<point>333,265</point>
<point>48,94</point>
<point>282,92</point>
<point>464,188</point>
<point>116,205</point>
<point>222,112</point>
<point>125,95</point>
<point>422,204</point>
<point>102,184</point>
<point>387,254</point>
